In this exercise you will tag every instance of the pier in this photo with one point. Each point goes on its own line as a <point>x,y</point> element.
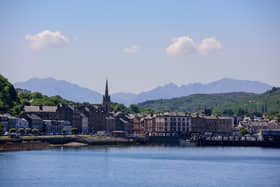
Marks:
<point>235,141</point>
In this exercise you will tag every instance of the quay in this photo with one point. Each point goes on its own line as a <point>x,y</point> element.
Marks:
<point>235,141</point>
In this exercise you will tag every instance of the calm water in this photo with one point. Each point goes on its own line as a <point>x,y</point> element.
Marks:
<point>142,166</point>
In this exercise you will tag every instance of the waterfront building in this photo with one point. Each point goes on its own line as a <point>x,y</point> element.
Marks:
<point>4,120</point>
<point>59,112</point>
<point>149,125</point>
<point>270,135</point>
<point>8,121</point>
<point>123,122</point>
<point>84,123</point>
<point>211,124</point>
<point>55,126</point>
<point>168,124</point>
<point>254,126</point>
<point>34,121</point>
<point>137,124</point>
<point>172,124</point>
<point>77,120</point>
<point>110,124</point>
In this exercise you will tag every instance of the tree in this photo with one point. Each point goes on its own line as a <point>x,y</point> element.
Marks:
<point>134,109</point>
<point>119,107</point>
<point>228,112</point>
<point>28,130</point>
<point>36,95</point>
<point>8,95</point>
<point>1,129</point>
<point>21,131</point>
<point>243,131</point>
<point>35,131</point>
<point>63,131</point>
<point>12,130</point>
<point>208,111</point>
<point>75,130</point>
<point>17,110</point>
<point>241,112</point>
<point>150,111</point>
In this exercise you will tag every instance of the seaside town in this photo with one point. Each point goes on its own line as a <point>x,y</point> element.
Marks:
<point>139,93</point>
<point>100,120</point>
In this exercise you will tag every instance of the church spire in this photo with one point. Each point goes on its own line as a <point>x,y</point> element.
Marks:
<point>106,99</point>
<point>106,89</point>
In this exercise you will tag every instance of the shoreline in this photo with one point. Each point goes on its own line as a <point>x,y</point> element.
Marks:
<point>43,142</point>
<point>44,146</point>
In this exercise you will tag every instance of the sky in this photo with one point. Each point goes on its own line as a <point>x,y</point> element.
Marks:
<point>139,45</point>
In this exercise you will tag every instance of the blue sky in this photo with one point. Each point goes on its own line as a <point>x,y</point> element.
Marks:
<point>139,45</point>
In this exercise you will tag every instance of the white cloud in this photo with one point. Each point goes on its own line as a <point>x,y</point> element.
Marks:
<point>181,45</point>
<point>131,50</point>
<point>208,44</point>
<point>184,45</point>
<point>46,39</point>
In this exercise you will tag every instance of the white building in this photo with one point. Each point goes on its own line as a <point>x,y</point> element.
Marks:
<point>171,124</point>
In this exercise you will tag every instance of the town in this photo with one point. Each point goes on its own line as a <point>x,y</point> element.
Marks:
<point>163,127</point>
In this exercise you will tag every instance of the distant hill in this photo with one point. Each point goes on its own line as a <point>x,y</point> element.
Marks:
<point>67,90</point>
<point>70,91</point>
<point>171,90</point>
<point>194,103</point>
<point>268,103</point>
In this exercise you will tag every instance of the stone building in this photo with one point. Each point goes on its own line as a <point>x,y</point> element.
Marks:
<point>122,122</point>
<point>137,124</point>
<point>168,124</point>
<point>59,112</point>
<point>84,123</point>
<point>8,121</point>
<point>211,124</point>
<point>77,120</point>
<point>149,125</point>
<point>99,117</point>
<point>34,121</point>
<point>257,126</point>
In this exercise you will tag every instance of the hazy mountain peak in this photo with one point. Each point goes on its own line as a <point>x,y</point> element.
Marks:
<point>51,86</point>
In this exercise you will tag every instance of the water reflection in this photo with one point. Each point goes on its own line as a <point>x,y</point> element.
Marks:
<point>141,166</point>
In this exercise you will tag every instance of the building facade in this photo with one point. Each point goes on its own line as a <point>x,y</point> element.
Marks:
<point>211,124</point>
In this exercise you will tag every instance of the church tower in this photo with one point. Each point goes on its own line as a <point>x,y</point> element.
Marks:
<point>106,99</point>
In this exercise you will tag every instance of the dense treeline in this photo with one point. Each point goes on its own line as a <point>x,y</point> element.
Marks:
<point>228,104</point>
<point>267,103</point>
<point>8,95</point>
<point>194,103</point>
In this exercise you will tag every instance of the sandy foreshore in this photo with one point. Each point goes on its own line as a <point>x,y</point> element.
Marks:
<point>70,144</point>
<point>43,142</point>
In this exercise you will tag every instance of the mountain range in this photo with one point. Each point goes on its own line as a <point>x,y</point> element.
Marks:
<point>239,103</point>
<point>74,92</point>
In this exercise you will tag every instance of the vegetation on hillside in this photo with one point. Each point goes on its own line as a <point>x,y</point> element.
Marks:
<point>12,101</point>
<point>267,103</point>
<point>36,98</point>
<point>228,104</point>
<point>8,95</point>
<point>194,103</point>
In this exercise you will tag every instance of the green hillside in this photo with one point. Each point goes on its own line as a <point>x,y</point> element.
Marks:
<point>8,95</point>
<point>229,104</point>
<point>194,103</point>
<point>266,103</point>
<point>12,100</point>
